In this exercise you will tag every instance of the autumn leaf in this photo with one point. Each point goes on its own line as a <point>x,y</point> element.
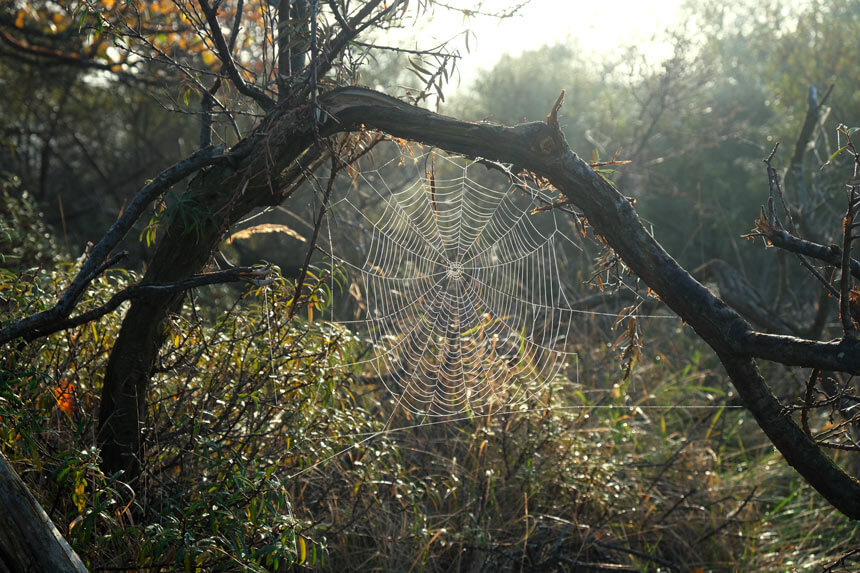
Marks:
<point>79,497</point>
<point>65,395</point>
<point>208,58</point>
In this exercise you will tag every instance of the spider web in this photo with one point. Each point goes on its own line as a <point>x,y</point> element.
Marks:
<point>461,292</point>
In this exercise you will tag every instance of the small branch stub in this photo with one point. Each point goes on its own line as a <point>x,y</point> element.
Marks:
<point>552,118</point>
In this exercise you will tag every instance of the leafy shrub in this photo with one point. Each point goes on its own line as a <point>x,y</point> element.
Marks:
<point>266,450</point>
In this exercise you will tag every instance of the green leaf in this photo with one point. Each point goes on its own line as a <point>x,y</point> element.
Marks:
<point>836,154</point>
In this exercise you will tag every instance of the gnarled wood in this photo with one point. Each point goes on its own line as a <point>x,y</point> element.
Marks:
<point>28,539</point>
<point>215,198</point>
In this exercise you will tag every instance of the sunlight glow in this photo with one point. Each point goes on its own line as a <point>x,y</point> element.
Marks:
<point>599,28</point>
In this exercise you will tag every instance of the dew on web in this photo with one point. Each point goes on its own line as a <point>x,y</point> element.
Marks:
<point>463,302</point>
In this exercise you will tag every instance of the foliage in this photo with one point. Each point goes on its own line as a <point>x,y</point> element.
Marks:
<point>265,450</point>
<point>697,123</point>
<point>25,241</point>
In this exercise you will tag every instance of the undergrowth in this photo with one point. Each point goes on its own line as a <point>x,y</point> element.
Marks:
<point>266,451</point>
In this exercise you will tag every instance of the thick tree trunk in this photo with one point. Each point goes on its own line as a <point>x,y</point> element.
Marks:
<point>28,539</point>
<point>213,201</point>
<point>538,147</point>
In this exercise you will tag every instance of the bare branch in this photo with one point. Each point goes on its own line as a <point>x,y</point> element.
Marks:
<point>839,356</point>
<point>830,254</point>
<point>849,329</point>
<point>794,174</point>
<point>245,88</point>
<point>236,274</point>
<point>317,225</point>
<point>95,262</point>
<point>208,97</point>
<point>322,64</point>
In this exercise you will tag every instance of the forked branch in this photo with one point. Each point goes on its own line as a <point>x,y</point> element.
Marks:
<point>224,53</point>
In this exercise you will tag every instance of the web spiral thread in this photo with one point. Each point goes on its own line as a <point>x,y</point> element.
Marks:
<point>464,302</point>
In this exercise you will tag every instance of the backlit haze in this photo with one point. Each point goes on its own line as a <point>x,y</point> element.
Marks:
<point>597,27</point>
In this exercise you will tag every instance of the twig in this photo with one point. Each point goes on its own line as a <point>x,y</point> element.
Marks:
<point>782,239</point>
<point>247,89</point>
<point>794,174</point>
<point>319,67</point>
<point>317,224</point>
<point>840,560</point>
<point>247,274</point>
<point>772,181</point>
<point>642,554</point>
<point>436,52</point>
<point>807,401</point>
<point>849,329</point>
<point>729,518</point>
<point>208,97</point>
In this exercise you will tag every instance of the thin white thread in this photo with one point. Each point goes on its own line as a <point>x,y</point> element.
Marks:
<point>465,304</point>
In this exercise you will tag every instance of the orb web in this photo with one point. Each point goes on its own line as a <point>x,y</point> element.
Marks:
<point>464,305</point>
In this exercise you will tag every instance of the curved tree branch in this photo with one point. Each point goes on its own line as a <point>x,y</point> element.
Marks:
<point>97,259</point>
<point>782,239</point>
<point>235,274</point>
<point>543,150</point>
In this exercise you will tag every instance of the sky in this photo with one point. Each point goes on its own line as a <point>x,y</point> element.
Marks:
<point>599,26</point>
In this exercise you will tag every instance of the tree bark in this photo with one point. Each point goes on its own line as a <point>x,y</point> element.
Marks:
<point>28,539</point>
<point>214,200</point>
<point>538,147</point>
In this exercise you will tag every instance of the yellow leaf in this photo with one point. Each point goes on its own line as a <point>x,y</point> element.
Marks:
<point>78,497</point>
<point>265,228</point>
<point>19,19</point>
<point>303,550</point>
<point>208,58</point>
<point>310,314</point>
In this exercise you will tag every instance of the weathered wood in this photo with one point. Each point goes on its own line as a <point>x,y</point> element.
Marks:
<point>28,539</point>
